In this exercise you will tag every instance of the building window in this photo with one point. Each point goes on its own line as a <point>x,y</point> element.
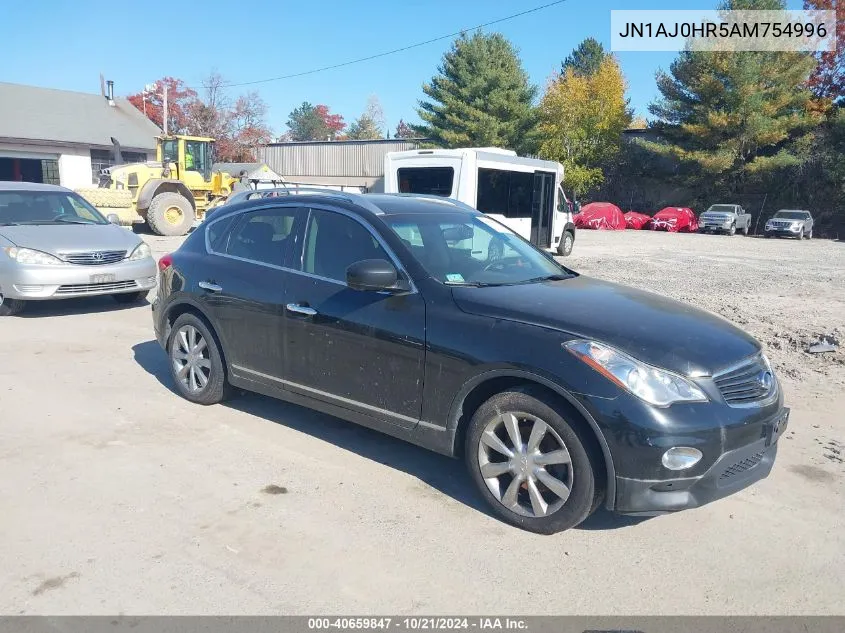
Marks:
<point>50,172</point>
<point>103,158</point>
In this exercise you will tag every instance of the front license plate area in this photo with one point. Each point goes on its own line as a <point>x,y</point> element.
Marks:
<point>102,278</point>
<point>777,427</point>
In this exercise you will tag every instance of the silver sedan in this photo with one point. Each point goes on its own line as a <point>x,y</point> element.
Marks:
<point>55,245</point>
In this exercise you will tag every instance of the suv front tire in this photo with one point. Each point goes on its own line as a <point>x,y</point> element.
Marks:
<point>531,464</point>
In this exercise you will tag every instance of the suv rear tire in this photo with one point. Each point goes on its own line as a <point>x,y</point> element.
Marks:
<point>196,361</point>
<point>550,482</point>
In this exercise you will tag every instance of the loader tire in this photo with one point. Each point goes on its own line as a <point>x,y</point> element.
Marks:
<point>170,214</point>
<point>114,198</point>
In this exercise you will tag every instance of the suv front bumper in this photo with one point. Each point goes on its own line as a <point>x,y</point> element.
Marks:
<point>733,471</point>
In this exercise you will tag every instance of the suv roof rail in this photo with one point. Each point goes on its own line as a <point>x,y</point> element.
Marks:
<point>357,198</point>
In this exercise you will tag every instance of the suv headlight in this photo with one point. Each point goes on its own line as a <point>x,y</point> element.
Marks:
<point>142,251</point>
<point>651,384</point>
<point>30,256</point>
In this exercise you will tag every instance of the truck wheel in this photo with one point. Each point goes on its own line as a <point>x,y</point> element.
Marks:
<point>170,213</point>
<point>567,241</point>
<point>115,198</point>
<point>745,229</point>
<point>732,230</point>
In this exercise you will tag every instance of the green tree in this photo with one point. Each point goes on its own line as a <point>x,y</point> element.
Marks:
<point>581,122</point>
<point>481,96</point>
<point>586,59</point>
<point>733,118</point>
<point>313,123</point>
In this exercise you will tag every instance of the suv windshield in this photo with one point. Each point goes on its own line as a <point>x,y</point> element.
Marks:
<point>724,208</point>
<point>46,207</point>
<point>461,249</point>
<point>792,215</point>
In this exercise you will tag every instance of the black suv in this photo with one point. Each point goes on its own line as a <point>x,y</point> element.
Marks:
<point>427,320</point>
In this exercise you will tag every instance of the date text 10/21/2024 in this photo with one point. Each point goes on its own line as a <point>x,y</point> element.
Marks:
<point>417,623</point>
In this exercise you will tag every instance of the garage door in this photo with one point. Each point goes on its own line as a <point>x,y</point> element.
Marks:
<point>29,167</point>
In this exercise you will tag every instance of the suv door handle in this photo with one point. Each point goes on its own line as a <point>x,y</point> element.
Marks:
<point>207,285</point>
<point>301,309</point>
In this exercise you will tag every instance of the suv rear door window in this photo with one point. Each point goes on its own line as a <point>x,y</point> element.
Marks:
<point>261,236</point>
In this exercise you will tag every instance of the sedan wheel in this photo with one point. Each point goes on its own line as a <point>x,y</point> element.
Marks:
<point>534,460</point>
<point>196,361</point>
<point>532,478</point>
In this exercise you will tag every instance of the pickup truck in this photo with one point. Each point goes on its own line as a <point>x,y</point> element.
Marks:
<point>725,218</point>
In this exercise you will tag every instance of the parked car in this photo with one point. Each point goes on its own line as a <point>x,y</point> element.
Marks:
<point>55,245</point>
<point>725,218</point>
<point>791,224</point>
<point>376,309</point>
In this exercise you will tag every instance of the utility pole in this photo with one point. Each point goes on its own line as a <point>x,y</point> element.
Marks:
<point>164,97</point>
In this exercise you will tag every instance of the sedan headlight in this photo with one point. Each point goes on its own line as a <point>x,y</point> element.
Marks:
<point>30,256</point>
<point>656,386</point>
<point>142,251</point>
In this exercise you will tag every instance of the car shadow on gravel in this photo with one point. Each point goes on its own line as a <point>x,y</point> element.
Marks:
<point>442,473</point>
<point>70,307</point>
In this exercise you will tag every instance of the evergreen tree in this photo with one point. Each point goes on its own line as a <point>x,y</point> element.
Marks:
<point>481,96</point>
<point>586,59</point>
<point>736,116</point>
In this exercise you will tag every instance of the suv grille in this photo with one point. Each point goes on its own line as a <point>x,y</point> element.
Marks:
<point>740,467</point>
<point>749,382</point>
<point>779,224</point>
<point>95,258</point>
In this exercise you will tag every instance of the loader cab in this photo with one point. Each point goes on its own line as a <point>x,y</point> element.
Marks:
<point>192,155</point>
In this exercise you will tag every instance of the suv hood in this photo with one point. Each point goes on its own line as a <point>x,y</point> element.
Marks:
<point>649,327</point>
<point>69,238</point>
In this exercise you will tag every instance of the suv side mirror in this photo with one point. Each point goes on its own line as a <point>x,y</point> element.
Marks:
<point>113,218</point>
<point>372,274</point>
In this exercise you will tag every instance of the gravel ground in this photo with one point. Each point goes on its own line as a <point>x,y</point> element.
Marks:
<point>784,292</point>
<point>118,496</point>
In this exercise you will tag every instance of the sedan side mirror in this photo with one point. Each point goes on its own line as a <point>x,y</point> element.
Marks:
<point>372,274</point>
<point>113,218</point>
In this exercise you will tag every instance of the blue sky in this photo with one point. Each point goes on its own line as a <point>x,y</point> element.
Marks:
<point>67,44</point>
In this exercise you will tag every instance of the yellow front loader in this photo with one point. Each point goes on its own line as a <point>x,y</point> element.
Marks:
<point>169,194</point>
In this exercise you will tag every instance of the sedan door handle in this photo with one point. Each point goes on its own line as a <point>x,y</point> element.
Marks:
<point>207,285</point>
<point>300,309</point>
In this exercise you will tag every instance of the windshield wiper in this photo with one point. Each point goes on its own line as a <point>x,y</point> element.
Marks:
<point>474,284</point>
<point>555,277</point>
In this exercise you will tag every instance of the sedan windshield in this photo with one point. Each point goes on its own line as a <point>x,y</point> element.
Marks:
<point>473,250</point>
<point>46,207</point>
<point>792,215</point>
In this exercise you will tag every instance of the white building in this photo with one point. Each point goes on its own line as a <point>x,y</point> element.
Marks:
<point>62,137</point>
